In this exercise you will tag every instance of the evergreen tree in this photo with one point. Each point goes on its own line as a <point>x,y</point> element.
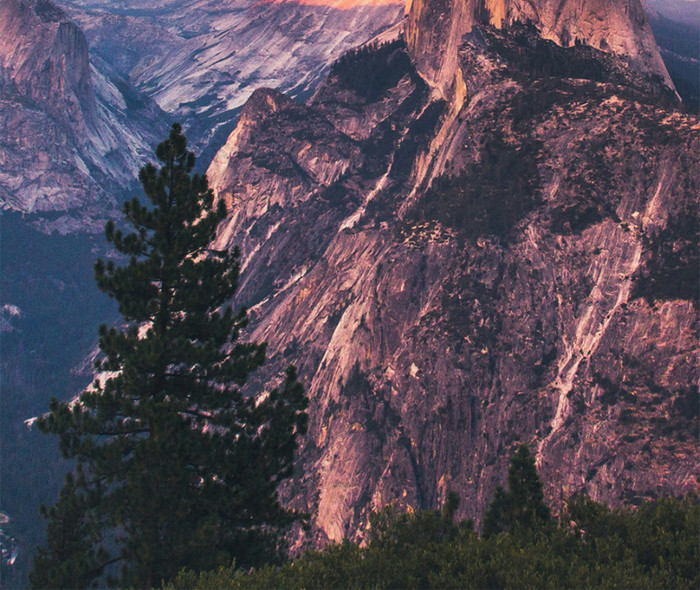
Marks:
<point>655,545</point>
<point>71,559</point>
<point>176,466</point>
<point>522,507</point>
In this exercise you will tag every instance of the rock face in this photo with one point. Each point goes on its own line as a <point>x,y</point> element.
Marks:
<point>71,135</point>
<point>76,122</point>
<point>435,29</point>
<point>516,263</point>
<point>201,61</point>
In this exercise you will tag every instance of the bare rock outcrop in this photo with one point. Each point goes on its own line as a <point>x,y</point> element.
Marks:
<point>201,61</point>
<point>73,137</point>
<point>435,30</point>
<point>454,277</point>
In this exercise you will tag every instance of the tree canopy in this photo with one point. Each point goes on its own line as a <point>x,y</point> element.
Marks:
<point>521,508</point>
<point>175,465</point>
<point>653,546</point>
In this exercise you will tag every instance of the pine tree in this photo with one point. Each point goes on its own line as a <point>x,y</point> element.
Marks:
<point>176,466</point>
<point>72,557</point>
<point>522,507</point>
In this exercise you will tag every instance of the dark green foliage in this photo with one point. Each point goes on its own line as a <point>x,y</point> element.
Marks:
<point>521,509</point>
<point>661,538</point>
<point>391,528</point>
<point>71,559</point>
<point>395,557</point>
<point>529,56</point>
<point>655,546</point>
<point>544,58</point>
<point>674,259</point>
<point>176,467</point>
<point>372,69</point>
<point>490,197</point>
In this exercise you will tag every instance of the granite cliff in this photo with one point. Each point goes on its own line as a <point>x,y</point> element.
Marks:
<point>512,258</point>
<point>81,82</point>
<point>201,60</point>
<point>435,29</point>
<point>87,93</point>
<point>73,135</point>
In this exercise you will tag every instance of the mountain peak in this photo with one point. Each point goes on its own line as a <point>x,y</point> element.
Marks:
<point>435,29</point>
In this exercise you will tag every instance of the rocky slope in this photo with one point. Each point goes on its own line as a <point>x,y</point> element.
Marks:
<point>514,260</point>
<point>75,128</point>
<point>201,61</point>
<point>434,30</point>
<point>72,135</point>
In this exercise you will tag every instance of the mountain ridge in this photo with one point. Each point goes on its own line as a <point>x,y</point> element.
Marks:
<point>200,61</point>
<point>74,134</point>
<point>619,27</point>
<point>486,271</point>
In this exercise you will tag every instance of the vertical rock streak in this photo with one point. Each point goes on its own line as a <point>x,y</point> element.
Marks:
<point>612,285</point>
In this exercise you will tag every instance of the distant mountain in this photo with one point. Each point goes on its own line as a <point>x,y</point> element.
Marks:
<point>78,116</point>
<point>74,132</point>
<point>201,60</point>
<point>682,11</point>
<point>467,245</point>
<point>82,114</point>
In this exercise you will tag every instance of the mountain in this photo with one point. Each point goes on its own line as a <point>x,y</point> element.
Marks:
<point>201,60</point>
<point>481,236</point>
<point>617,27</point>
<point>85,93</point>
<point>682,11</point>
<point>80,85</point>
<point>74,135</point>
<point>542,290</point>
